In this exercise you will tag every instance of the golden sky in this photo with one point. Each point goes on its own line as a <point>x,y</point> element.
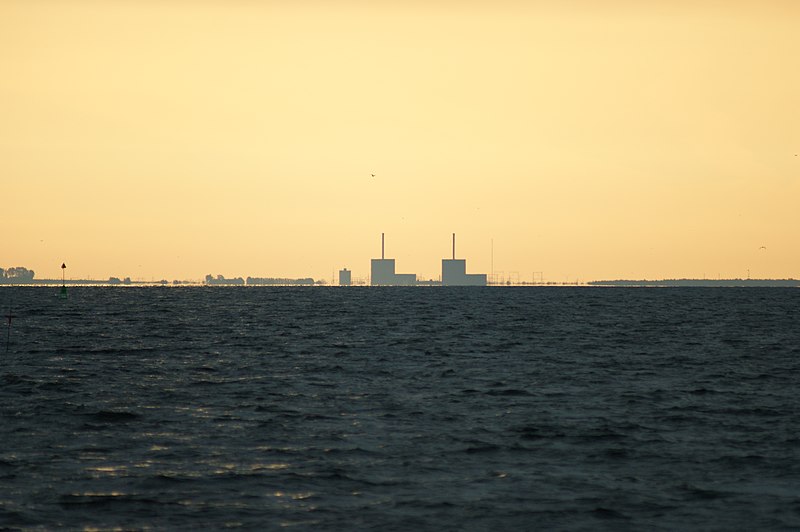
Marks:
<point>589,139</point>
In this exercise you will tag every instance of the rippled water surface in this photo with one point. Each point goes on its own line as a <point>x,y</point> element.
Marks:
<point>401,408</point>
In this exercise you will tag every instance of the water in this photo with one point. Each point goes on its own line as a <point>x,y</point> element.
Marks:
<point>401,408</point>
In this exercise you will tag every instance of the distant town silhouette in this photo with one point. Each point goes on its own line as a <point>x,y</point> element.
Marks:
<point>383,273</point>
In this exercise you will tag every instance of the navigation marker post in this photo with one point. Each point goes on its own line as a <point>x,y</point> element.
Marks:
<point>63,283</point>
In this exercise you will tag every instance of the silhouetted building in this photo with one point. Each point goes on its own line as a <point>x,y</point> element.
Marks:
<point>454,272</point>
<point>382,272</point>
<point>344,277</point>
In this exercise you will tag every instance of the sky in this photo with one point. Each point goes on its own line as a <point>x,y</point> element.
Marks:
<point>583,139</point>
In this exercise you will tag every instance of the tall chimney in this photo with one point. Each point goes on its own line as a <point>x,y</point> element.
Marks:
<point>454,246</point>
<point>382,257</point>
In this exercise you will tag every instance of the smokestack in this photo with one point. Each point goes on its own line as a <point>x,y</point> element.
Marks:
<point>454,246</point>
<point>382,257</point>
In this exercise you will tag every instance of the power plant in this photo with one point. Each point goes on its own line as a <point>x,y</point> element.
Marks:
<point>382,272</point>
<point>454,272</point>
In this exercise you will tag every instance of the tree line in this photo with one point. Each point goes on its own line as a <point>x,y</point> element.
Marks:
<point>17,274</point>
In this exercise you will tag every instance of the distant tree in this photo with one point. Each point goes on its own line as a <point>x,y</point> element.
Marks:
<point>114,280</point>
<point>126,280</point>
<point>2,273</point>
<point>209,279</point>
<point>19,274</point>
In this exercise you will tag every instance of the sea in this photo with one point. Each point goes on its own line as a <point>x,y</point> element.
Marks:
<point>394,408</point>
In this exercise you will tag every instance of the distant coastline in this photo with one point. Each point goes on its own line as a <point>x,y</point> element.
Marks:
<point>718,283</point>
<point>701,282</point>
<point>92,282</point>
<point>20,276</point>
<point>163,282</point>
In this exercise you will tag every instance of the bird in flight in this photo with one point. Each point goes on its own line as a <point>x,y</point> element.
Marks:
<point>373,175</point>
<point>763,247</point>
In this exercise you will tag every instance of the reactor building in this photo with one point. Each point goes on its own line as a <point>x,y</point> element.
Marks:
<point>382,272</point>
<point>454,272</point>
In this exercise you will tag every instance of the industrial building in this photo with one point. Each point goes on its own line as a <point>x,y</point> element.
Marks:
<point>382,272</point>
<point>454,272</point>
<point>345,277</point>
